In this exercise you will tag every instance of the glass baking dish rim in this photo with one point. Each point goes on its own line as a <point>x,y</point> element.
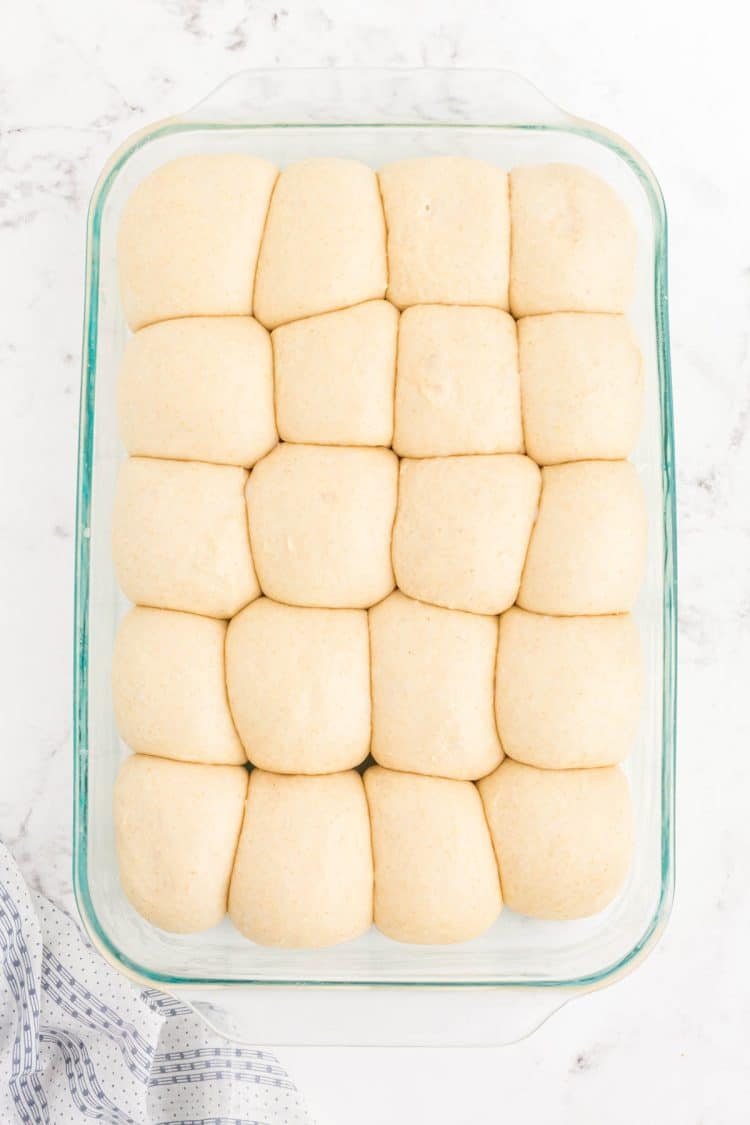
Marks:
<point>95,930</point>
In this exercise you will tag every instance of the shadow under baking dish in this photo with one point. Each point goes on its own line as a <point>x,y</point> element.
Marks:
<point>435,113</point>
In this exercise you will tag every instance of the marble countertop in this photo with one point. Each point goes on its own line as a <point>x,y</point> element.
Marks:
<point>668,1044</point>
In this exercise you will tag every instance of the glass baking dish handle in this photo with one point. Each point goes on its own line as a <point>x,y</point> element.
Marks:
<point>375,96</point>
<point>382,1016</point>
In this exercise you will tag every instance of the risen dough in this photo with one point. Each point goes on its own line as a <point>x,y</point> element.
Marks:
<point>457,387</point>
<point>462,529</point>
<point>587,549</point>
<point>189,237</point>
<point>334,376</point>
<point>448,231</point>
<point>435,875</point>
<point>198,389</point>
<point>563,838</point>
<point>320,524</point>
<point>177,826</point>
<point>568,689</point>
<point>303,873</point>
<point>582,386</point>
<point>324,242</point>
<point>299,686</point>
<point>168,687</point>
<point>573,246</point>
<point>433,672</point>
<point>179,536</point>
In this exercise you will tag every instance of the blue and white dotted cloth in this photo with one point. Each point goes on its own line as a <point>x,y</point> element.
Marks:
<point>78,1042</point>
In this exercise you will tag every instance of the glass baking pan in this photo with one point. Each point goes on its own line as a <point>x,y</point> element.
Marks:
<point>373,990</point>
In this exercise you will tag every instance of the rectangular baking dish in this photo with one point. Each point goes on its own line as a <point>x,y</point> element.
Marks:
<point>374,116</point>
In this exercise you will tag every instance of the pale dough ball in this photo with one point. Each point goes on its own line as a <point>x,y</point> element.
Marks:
<point>324,242</point>
<point>563,838</point>
<point>179,536</point>
<point>303,873</point>
<point>587,550</point>
<point>168,687</point>
<point>189,238</point>
<point>436,880</point>
<point>177,826</point>
<point>568,689</point>
<point>448,231</point>
<point>335,375</point>
<point>457,385</point>
<point>320,524</point>
<point>433,674</point>
<point>573,244</point>
<point>462,529</point>
<point>198,389</point>
<point>299,686</point>
<point>582,386</point>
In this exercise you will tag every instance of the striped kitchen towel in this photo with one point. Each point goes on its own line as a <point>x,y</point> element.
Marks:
<point>78,1041</point>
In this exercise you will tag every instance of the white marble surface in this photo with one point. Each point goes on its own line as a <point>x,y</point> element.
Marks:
<point>669,1044</point>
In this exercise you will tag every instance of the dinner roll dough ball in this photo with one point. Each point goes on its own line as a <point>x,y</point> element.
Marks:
<point>587,550</point>
<point>177,826</point>
<point>573,245</point>
<point>435,875</point>
<point>198,389</point>
<point>448,231</point>
<point>582,386</point>
<point>189,238</point>
<point>433,674</point>
<point>563,838</point>
<point>168,687</point>
<point>320,524</point>
<point>303,873</point>
<point>324,242</point>
<point>299,686</point>
<point>179,536</point>
<point>335,374</point>
<point>568,689</point>
<point>462,528</point>
<point>457,386</point>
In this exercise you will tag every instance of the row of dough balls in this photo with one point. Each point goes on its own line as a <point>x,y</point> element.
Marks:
<point>312,861</point>
<point>425,690</point>
<point>228,235</point>
<point>340,527</point>
<point>436,380</point>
